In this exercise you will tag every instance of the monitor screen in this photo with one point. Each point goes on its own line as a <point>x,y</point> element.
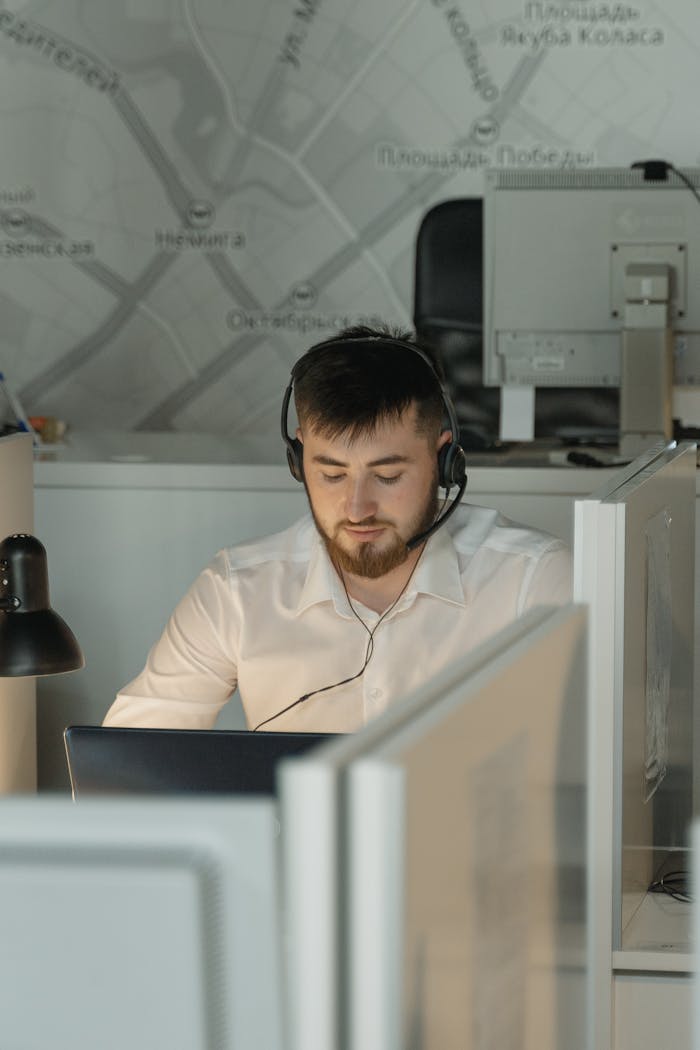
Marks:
<point>139,923</point>
<point>569,265</point>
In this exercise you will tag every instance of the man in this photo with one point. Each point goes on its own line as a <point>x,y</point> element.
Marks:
<point>326,624</point>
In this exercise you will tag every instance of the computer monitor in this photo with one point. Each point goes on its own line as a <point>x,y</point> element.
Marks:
<point>634,567</point>
<point>114,760</point>
<point>139,924</point>
<point>446,904</point>
<point>588,282</point>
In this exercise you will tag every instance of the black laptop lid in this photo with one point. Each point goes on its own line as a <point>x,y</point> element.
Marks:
<point>109,760</point>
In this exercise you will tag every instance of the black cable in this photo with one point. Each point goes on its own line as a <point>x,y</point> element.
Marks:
<point>657,171</point>
<point>368,651</point>
<point>674,884</point>
<point>686,180</point>
<point>323,689</point>
<point>585,459</point>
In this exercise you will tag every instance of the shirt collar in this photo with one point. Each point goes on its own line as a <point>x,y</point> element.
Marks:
<point>437,574</point>
<point>321,583</point>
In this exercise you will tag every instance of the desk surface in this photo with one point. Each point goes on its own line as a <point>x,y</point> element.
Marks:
<point>114,459</point>
<point>657,938</point>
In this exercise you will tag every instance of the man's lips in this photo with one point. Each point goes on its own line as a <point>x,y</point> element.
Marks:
<point>364,533</point>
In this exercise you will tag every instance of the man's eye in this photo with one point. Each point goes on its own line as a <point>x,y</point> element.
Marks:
<point>333,477</point>
<point>390,479</point>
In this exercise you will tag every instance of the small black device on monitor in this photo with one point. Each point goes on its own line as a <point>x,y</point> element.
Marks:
<point>112,760</point>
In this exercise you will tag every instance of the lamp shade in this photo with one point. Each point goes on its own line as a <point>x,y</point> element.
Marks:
<point>34,640</point>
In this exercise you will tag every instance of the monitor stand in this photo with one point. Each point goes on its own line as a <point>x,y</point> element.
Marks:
<point>517,415</point>
<point>646,359</point>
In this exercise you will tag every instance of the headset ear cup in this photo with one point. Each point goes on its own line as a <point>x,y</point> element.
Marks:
<point>459,466</point>
<point>295,458</point>
<point>444,465</point>
<point>452,465</point>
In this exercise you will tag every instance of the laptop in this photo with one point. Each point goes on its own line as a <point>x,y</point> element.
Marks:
<point>114,761</point>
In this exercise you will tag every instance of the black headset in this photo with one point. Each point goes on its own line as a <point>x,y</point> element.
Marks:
<point>452,464</point>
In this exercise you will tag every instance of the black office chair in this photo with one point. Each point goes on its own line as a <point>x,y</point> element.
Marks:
<point>448,318</point>
<point>447,311</point>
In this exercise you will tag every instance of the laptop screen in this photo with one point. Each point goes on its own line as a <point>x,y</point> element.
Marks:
<point>110,760</point>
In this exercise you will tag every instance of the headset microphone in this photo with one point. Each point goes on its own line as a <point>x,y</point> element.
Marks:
<point>421,537</point>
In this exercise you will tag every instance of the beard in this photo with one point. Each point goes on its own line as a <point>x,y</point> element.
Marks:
<point>367,560</point>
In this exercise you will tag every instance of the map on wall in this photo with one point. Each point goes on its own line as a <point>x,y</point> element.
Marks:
<point>194,191</point>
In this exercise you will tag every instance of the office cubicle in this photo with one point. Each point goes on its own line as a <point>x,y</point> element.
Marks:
<point>433,868</point>
<point>445,903</point>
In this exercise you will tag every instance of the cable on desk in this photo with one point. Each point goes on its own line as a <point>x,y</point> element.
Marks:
<point>673,884</point>
<point>586,459</point>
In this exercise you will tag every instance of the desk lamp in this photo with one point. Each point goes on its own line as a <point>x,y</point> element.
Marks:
<point>34,640</point>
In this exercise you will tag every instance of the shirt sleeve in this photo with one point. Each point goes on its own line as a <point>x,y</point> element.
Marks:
<point>191,671</point>
<point>549,580</point>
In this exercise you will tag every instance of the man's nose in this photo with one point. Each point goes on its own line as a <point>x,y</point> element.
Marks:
<point>360,503</point>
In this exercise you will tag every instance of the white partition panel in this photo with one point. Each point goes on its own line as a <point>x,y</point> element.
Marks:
<point>634,554</point>
<point>139,924</point>
<point>453,832</point>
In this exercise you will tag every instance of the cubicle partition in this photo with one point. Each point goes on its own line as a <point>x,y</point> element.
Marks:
<point>634,566</point>
<point>445,904</point>
<point>138,924</point>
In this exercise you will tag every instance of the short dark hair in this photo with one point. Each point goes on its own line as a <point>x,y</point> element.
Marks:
<point>364,376</point>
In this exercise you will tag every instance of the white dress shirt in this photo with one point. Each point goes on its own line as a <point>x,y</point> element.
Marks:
<point>272,618</point>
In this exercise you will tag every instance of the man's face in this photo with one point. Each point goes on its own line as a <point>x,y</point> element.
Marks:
<point>369,496</point>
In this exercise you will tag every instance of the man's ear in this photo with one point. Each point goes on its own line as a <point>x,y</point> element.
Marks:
<point>444,439</point>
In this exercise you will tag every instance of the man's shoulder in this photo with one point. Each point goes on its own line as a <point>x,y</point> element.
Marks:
<point>475,528</point>
<point>292,544</point>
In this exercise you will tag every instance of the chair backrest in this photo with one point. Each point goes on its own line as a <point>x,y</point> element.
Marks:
<point>448,270</point>
<point>447,311</point>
